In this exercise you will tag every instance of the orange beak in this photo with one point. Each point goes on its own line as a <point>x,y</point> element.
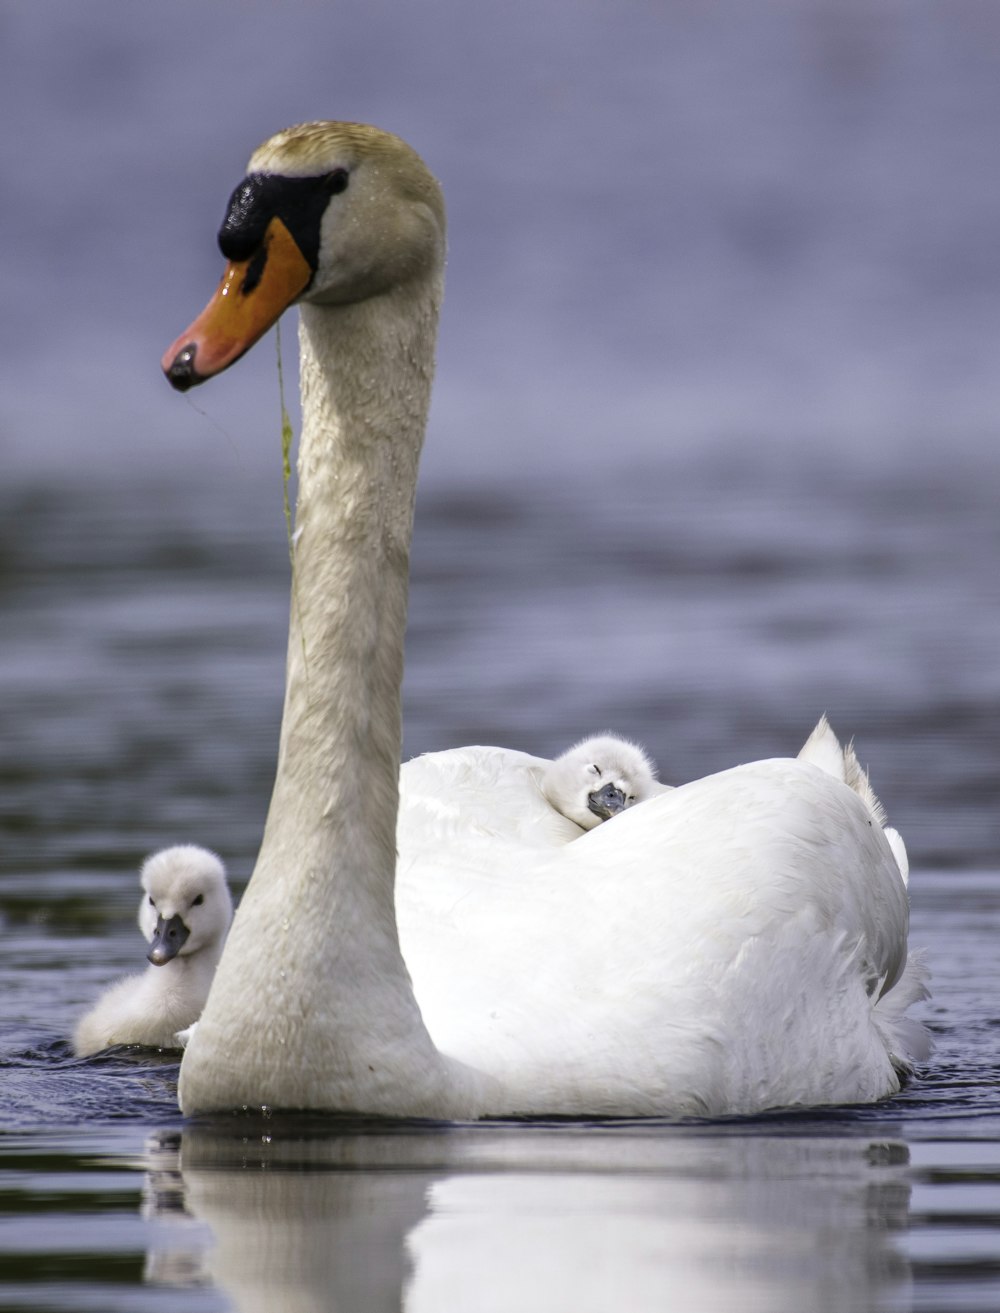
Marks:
<point>248,300</point>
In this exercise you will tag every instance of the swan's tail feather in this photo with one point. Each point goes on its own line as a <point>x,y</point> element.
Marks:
<point>907,1040</point>
<point>823,749</point>
<point>899,852</point>
<point>856,778</point>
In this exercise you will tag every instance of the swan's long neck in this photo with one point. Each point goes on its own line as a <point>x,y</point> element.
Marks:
<point>336,791</point>
<point>321,899</point>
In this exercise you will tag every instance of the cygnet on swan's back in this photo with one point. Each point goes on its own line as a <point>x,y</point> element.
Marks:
<point>185,913</point>
<point>598,778</point>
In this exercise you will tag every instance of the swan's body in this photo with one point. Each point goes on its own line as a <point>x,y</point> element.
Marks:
<point>184,915</point>
<point>598,778</point>
<point>515,798</point>
<point>488,794</point>
<point>734,944</point>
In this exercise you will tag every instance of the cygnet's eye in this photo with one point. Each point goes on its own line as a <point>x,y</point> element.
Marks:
<point>337,181</point>
<point>197,902</point>
<point>151,902</point>
<point>596,770</point>
<point>630,798</point>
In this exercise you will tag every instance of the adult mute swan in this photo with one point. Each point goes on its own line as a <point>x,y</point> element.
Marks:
<point>598,778</point>
<point>184,915</point>
<point>732,945</point>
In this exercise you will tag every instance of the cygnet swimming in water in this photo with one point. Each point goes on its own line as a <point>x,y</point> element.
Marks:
<point>185,913</point>
<point>598,778</point>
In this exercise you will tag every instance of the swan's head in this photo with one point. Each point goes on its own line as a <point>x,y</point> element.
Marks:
<point>186,905</point>
<point>599,778</point>
<point>332,213</point>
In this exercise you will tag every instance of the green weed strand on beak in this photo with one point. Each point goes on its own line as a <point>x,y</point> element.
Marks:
<point>287,438</point>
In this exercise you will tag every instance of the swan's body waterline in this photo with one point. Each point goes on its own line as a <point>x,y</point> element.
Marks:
<point>719,949</point>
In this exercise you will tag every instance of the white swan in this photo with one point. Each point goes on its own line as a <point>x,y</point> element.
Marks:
<point>598,778</point>
<point>184,915</point>
<point>734,944</point>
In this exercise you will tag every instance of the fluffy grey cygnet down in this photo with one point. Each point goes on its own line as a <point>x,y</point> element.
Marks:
<point>185,913</point>
<point>598,778</point>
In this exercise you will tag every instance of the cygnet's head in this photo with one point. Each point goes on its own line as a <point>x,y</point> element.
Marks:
<point>598,778</point>
<point>186,905</point>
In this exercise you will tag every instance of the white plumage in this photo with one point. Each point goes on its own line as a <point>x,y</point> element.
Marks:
<point>731,945</point>
<point>599,777</point>
<point>184,915</point>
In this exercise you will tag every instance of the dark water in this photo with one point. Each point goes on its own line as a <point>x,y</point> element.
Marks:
<point>709,608</point>
<point>714,450</point>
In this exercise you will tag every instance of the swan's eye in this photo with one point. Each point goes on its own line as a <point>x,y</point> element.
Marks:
<point>151,902</point>
<point>337,181</point>
<point>197,902</point>
<point>596,770</point>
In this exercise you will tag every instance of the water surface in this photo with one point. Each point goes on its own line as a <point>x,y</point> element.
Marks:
<point>141,675</point>
<point>110,1201</point>
<point>713,451</point>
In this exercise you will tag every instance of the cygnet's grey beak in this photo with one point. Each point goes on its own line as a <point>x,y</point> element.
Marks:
<point>606,802</point>
<point>168,940</point>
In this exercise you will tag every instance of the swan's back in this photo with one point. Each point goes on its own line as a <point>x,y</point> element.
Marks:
<point>738,971</point>
<point>477,795</point>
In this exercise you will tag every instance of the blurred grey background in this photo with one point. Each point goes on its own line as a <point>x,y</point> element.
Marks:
<point>671,223</point>
<point>714,441</point>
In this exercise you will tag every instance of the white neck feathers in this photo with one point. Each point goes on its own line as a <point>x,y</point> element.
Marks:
<point>320,906</point>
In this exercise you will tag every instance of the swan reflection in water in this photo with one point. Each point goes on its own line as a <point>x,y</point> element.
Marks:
<point>285,1219</point>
